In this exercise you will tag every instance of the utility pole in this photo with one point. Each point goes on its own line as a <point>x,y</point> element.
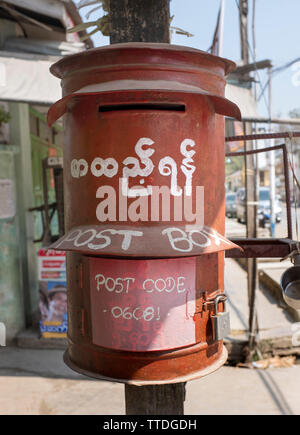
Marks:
<point>251,190</point>
<point>221,32</point>
<point>146,21</point>
<point>272,163</point>
<point>243,7</point>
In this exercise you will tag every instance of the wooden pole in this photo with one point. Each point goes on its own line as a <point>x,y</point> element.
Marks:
<point>251,189</point>
<point>165,399</point>
<point>146,21</point>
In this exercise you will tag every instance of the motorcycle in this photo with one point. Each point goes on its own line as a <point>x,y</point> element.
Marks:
<point>263,218</point>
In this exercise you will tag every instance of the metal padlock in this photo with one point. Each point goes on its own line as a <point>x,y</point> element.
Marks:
<point>221,321</point>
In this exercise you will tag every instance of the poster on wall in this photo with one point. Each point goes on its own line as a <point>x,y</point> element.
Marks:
<point>52,293</point>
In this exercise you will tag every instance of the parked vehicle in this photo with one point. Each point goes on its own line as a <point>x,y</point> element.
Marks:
<point>240,205</point>
<point>230,204</point>
<point>264,205</point>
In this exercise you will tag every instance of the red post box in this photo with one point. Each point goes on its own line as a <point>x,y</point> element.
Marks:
<point>144,210</point>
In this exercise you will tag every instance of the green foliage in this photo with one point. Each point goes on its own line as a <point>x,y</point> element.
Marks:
<point>233,164</point>
<point>4,115</point>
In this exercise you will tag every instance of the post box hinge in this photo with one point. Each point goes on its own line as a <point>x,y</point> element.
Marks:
<point>81,320</point>
<point>207,300</point>
<point>81,275</point>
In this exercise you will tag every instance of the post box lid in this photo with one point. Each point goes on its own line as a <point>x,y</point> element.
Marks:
<point>143,66</point>
<point>156,241</point>
<point>137,53</point>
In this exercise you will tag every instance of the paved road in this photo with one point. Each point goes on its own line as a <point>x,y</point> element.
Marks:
<point>281,228</point>
<point>37,382</point>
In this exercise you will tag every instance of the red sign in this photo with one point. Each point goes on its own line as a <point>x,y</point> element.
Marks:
<point>53,264</point>
<point>143,305</point>
<point>45,252</point>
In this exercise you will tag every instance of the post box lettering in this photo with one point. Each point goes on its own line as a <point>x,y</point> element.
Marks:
<point>187,240</point>
<point>79,168</point>
<point>137,305</point>
<point>186,167</point>
<point>108,167</point>
<point>137,313</point>
<point>118,285</point>
<point>132,168</point>
<point>78,238</point>
<point>168,285</point>
<point>136,170</point>
<point>149,285</point>
<point>179,240</point>
<point>167,166</point>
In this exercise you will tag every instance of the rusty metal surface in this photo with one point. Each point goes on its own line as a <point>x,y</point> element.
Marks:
<point>143,61</point>
<point>281,135</point>
<point>144,67</point>
<point>148,137</point>
<point>221,105</point>
<point>143,365</point>
<point>140,382</point>
<point>262,248</point>
<point>257,151</point>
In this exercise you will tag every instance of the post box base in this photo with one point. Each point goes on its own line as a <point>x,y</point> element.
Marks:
<point>195,375</point>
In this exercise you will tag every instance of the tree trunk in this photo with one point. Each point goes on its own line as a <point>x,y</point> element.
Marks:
<point>139,21</point>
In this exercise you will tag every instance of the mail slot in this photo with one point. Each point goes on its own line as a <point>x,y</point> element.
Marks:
<point>144,210</point>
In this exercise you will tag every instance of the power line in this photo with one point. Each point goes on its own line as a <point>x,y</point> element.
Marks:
<point>285,66</point>
<point>276,71</point>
